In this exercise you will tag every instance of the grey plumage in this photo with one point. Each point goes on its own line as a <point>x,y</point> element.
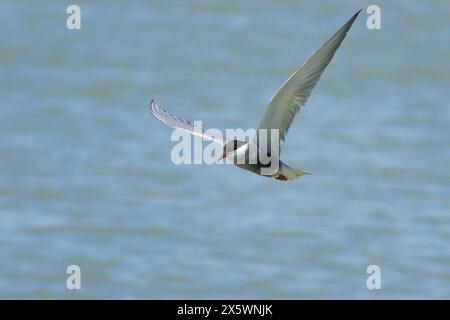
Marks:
<point>279,114</point>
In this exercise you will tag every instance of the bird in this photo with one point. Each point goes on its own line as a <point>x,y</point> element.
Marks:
<point>279,114</point>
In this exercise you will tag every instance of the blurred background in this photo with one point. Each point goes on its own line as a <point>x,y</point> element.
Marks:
<point>86,176</point>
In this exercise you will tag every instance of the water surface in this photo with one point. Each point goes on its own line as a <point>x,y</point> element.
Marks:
<point>86,176</point>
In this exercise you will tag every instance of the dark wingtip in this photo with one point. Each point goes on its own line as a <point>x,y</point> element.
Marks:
<point>350,21</point>
<point>152,103</point>
<point>150,106</point>
<point>355,15</point>
<point>353,18</point>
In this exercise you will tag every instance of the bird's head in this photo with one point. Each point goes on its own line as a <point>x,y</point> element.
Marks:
<point>229,149</point>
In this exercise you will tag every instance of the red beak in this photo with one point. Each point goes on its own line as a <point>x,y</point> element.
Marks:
<point>222,156</point>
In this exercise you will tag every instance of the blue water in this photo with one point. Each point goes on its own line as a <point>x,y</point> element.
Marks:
<point>86,176</point>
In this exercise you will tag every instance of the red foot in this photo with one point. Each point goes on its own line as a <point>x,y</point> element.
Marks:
<point>281,177</point>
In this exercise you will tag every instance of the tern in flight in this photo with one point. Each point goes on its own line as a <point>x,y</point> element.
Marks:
<point>279,114</point>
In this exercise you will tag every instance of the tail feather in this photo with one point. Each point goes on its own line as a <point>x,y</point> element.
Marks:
<point>288,173</point>
<point>299,172</point>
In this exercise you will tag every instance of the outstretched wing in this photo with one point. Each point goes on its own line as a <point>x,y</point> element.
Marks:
<point>179,123</point>
<point>293,94</point>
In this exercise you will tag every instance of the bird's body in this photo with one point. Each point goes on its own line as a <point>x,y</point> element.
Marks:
<point>244,153</point>
<point>279,115</point>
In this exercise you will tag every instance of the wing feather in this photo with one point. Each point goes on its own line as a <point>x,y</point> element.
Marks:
<point>176,122</point>
<point>294,93</point>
